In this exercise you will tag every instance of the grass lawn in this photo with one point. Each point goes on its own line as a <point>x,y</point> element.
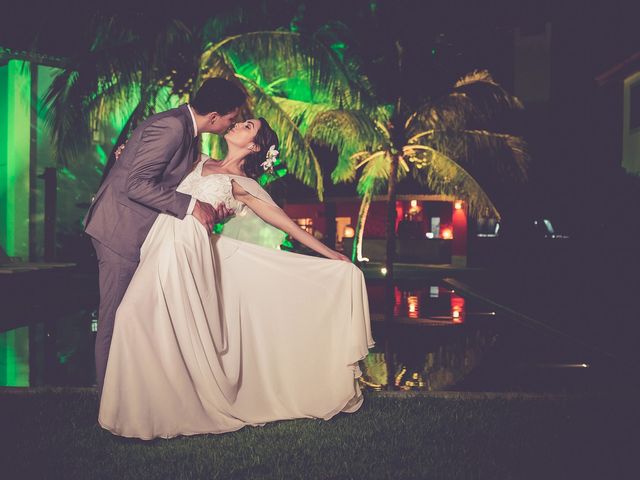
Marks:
<point>53,434</point>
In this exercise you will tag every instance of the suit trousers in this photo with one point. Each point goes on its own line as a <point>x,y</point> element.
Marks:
<point>114,275</point>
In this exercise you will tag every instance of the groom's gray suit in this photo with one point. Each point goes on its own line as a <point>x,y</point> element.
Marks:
<point>141,184</point>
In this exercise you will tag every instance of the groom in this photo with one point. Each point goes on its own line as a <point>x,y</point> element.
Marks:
<point>142,184</point>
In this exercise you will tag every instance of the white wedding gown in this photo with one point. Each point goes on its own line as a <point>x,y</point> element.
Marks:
<point>215,333</point>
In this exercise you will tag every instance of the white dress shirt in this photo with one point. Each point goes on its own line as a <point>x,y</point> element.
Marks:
<point>192,204</point>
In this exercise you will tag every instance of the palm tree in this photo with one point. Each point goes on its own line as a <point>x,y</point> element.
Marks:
<point>135,68</point>
<point>437,144</point>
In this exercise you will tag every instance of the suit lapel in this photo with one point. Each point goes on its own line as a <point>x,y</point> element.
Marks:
<point>195,149</point>
<point>185,111</point>
<point>195,142</point>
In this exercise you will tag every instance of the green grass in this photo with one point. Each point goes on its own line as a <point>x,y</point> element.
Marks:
<point>53,434</point>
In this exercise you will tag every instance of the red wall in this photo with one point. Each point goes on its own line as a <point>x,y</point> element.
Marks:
<point>376,220</point>
<point>314,211</point>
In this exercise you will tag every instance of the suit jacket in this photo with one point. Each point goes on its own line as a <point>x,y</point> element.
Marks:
<point>143,181</point>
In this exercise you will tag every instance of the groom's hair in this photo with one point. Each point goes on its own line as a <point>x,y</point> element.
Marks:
<point>218,95</point>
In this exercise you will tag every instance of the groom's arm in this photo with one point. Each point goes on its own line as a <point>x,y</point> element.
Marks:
<point>159,143</point>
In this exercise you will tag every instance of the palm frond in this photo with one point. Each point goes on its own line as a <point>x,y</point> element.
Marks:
<point>349,132</point>
<point>375,173</point>
<point>307,60</point>
<point>477,101</point>
<point>473,77</point>
<point>443,175</point>
<point>296,151</point>
<point>416,138</point>
<point>124,64</point>
<point>508,153</point>
<point>303,114</point>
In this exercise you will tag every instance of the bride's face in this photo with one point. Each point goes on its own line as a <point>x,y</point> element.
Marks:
<point>243,133</point>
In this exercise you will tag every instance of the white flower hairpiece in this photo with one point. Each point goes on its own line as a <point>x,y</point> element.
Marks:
<point>271,157</point>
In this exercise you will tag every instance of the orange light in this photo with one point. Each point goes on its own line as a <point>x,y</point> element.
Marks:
<point>413,307</point>
<point>457,205</point>
<point>447,233</point>
<point>457,309</point>
<point>349,232</point>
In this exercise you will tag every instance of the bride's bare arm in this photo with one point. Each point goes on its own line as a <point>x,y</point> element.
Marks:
<point>275,216</point>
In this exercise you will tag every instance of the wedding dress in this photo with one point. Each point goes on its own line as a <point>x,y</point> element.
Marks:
<point>216,332</point>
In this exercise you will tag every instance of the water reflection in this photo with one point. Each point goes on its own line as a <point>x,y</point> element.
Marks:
<point>50,352</point>
<point>432,303</point>
<point>424,363</point>
<point>411,353</point>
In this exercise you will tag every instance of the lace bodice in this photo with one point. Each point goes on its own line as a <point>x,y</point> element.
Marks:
<point>212,189</point>
<point>244,225</point>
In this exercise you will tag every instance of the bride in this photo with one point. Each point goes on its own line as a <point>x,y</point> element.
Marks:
<point>216,332</point>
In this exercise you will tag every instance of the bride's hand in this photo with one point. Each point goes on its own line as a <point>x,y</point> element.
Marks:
<point>338,256</point>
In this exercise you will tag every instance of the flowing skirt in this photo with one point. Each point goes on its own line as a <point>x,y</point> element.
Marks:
<point>214,334</point>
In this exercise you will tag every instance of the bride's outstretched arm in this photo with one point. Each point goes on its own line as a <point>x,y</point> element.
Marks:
<point>275,216</point>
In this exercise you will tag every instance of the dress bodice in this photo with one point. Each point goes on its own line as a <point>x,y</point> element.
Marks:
<point>212,188</point>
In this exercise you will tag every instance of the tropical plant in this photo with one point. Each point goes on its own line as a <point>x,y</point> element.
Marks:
<point>438,144</point>
<point>134,69</point>
<point>315,96</point>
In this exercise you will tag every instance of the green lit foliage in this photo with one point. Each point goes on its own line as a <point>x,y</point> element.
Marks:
<point>289,94</point>
<point>134,70</point>
<point>308,87</point>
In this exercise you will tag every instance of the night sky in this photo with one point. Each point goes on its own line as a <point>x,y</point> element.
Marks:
<point>442,40</point>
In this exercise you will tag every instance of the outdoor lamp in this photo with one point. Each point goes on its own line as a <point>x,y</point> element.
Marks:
<point>349,232</point>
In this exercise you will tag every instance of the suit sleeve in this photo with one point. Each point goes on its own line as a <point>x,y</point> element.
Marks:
<point>159,143</point>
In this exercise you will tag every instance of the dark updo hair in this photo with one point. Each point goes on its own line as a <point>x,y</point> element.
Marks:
<point>265,137</point>
<point>218,95</point>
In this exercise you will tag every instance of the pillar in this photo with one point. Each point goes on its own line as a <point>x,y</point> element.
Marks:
<point>15,132</point>
<point>460,234</point>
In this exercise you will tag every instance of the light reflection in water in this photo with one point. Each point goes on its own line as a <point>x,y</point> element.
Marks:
<point>430,302</point>
<point>417,360</point>
<point>430,354</point>
<point>433,367</point>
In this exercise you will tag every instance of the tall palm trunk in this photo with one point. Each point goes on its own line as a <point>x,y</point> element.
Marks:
<point>391,238</point>
<point>389,290</point>
<point>397,141</point>
<point>356,250</point>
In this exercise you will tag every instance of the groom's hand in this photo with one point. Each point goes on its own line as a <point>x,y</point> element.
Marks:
<point>208,216</point>
<point>223,212</point>
<point>205,214</point>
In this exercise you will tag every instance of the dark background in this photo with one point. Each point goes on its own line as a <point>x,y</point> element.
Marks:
<point>576,179</point>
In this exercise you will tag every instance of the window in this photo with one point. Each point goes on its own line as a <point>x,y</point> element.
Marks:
<point>435,226</point>
<point>305,223</point>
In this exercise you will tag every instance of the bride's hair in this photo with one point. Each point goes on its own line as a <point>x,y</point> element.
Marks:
<point>265,138</point>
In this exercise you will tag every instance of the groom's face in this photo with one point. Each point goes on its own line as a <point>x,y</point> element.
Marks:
<point>221,123</point>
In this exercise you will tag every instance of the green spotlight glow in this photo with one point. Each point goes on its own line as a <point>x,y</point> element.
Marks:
<point>14,358</point>
<point>15,129</point>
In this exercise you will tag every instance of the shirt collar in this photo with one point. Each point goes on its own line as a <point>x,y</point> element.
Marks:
<point>193,118</point>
